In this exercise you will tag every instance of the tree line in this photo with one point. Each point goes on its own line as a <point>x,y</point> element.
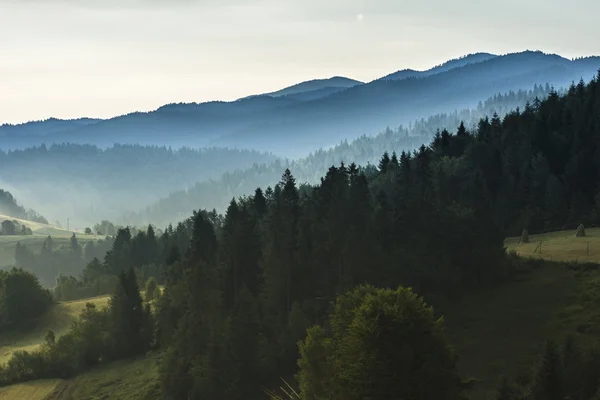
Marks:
<point>12,228</point>
<point>10,207</point>
<point>56,261</point>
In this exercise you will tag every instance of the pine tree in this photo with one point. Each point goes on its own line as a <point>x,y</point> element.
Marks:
<point>384,163</point>
<point>394,161</point>
<point>548,383</point>
<point>128,316</point>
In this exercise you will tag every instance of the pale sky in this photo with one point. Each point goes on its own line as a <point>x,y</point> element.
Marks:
<point>100,58</point>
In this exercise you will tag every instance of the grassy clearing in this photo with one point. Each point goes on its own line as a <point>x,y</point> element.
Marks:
<point>125,380</point>
<point>37,390</point>
<point>59,319</point>
<point>135,379</point>
<point>34,242</point>
<point>38,228</point>
<point>560,246</point>
<point>500,331</point>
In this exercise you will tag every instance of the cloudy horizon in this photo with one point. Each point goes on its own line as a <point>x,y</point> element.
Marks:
<point>76,58</point>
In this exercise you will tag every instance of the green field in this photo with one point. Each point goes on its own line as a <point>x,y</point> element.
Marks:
<point>124,380</point>
<point>34,242</point>
<point>130,379</point>
<point>38,228</point>
<point>560,246</point>
<point>59,319</point>
<point>37,390</point>
<point>500,331</point>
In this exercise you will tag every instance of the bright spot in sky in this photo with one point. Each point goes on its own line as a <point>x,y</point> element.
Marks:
<point>360,17</point>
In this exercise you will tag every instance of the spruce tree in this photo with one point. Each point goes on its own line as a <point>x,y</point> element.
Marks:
<point>548,381</point>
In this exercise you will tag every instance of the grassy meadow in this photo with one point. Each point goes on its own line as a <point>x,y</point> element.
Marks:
<point>500,331</point>
<point>34,242</point>
<point>559,246</point>
<point>135,379</point>
<point>37,390</point>
<point>59,319</point>
<point>130,379</point>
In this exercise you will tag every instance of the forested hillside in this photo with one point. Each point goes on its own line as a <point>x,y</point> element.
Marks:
<point>362,151</point>
<point>10,208</point>
<point>56,261</point>
<point>282,255</point>
<point>108,183</point>
<point>292,126</point>
<point>104,183</point>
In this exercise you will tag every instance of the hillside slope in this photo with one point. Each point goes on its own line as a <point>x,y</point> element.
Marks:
<point>501,331</point>
<point>448,65</point>
<point>135,379</point>
<point>59,319</point>
<point>362,151</point>
<point>10,206</point>
<point>102,184</point>
<point>36,390</point>
<point>336,82</point>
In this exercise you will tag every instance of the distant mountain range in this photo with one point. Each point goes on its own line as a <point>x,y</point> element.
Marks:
<point>447,66</point>
<point>321,86</point>
<point>296,120</point>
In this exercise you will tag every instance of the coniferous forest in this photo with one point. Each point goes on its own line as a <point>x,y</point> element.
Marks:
<point>364,151</point>
<point>310,283</point>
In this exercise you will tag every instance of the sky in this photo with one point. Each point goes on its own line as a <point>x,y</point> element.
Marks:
<point>101,58</point>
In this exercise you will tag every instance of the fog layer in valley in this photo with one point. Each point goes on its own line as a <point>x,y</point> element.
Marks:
<point>137,182</point>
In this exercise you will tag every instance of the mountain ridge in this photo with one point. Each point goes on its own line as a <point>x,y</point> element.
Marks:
<point>300,118</point>
<point>448,65</point>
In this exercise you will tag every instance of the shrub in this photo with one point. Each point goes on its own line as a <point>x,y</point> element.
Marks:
<point>384,344</point>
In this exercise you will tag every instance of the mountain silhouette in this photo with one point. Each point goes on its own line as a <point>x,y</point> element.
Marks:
<point>448,65</point>
<point>296,120</point>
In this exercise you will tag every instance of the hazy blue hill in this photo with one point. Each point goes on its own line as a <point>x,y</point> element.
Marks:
<point>301,118</point>
<point>461,62</point>
<point>45,127</point>
<point>402,74</point>
<point>363,151</point>
<point>10,207</point>
<point>339,82</point>
<point>103,183</point>
<point>314,94</point>
<point>587,61</point>
<point>448,65</point>
<point>177,125</point>
<point>366,108</point>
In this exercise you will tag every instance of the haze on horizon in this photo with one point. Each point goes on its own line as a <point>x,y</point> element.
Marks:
<point>74,58</point>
